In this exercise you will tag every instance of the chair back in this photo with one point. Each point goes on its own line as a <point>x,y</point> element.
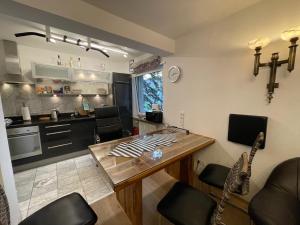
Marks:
<point>257,143</point>
<point>4,208</point>
<point>238,179</point>
<point>235,179</point>
<point>108,123</point>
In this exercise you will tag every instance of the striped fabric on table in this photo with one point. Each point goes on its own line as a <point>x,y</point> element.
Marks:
<point>136,147</point>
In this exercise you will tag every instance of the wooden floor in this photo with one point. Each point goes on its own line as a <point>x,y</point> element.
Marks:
<point>155,187</point>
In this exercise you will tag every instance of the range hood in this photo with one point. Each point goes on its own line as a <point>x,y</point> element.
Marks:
<point>10,69</point>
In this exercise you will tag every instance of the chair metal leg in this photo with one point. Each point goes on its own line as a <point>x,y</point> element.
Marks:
<point>160,219</point>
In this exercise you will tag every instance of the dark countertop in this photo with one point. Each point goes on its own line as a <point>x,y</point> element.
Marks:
<point>35,121</point>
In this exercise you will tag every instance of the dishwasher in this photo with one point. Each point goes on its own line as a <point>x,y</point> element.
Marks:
<point>24,142</point>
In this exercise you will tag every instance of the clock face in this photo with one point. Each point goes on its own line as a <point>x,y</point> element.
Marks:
<point>174,73</point>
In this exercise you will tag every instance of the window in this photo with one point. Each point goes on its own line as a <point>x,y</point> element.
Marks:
<point>149,91</point>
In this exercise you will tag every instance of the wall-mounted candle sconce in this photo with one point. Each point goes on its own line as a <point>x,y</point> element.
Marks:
<point>291,35</point>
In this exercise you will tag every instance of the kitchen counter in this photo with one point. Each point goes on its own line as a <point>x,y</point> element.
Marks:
<point>35,121</point>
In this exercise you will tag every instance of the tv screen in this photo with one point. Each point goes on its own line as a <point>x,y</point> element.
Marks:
<point>243,129</point>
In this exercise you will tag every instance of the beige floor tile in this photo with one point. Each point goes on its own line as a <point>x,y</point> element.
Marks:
<point>24,192</point>
<point>45,182</point>
<point>41,191</point>
<point>25,177</point>
<point>61,182</point>
<point>41,175</point>
<point>43,199</point>
<point>24,205</point>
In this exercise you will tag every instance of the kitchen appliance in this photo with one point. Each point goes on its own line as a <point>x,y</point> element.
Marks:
<point>9,59</point>
<point>54,114</point>
<point>24,142</point>
<point>155,116</point>
<point>25,113</point>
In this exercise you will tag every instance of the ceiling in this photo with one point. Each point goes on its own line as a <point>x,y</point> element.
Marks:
<point>9,26</point>
<point>172,18</point>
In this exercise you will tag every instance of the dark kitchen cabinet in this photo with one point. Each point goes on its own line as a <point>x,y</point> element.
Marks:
<point>56,139</point>
<point>122,96</point>
<point>83,134</point>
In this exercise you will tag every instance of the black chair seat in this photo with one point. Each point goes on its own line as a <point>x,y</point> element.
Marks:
<point>69,210</point>
<point>184,205</point>
<point>215,175</point>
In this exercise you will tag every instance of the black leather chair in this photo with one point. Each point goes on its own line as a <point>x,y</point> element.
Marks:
<point>68,210</point>
<point>215,174</point>
<point>108,124</point>
<point>278,203</point>
<point>185,205</point>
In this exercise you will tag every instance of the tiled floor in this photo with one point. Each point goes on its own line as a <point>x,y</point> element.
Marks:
<point>38,187</point>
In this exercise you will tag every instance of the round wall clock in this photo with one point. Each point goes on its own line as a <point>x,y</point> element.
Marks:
<point>174,73</point>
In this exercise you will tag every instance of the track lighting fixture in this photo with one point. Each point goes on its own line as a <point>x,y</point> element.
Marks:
<point>88,45</point>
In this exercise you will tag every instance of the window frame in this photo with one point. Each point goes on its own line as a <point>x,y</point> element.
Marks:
<point>137,89</point>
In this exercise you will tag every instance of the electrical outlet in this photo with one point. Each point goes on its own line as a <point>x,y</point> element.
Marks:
<point>200,166</point>
<point>181,119</point>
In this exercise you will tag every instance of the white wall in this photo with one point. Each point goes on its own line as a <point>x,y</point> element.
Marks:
<point>7,172</point>
<point>219,81</point>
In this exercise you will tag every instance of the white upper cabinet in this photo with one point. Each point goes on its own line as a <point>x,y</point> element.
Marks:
<point>70,74</point>
<point>50,72</point>
<point>83,75</point>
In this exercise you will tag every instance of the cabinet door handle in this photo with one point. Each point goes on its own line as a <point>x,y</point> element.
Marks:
<point>59,125</point>
<point>57,146</point>
<point>58,132</point>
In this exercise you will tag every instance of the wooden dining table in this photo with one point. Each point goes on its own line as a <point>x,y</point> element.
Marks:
<point>126,174</point>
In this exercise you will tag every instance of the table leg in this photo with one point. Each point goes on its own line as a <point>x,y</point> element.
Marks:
<point>131,200</point>
<point>187,170</point>
<point>182,170</point>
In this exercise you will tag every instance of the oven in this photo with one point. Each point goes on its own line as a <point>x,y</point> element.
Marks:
<point>24,142</point>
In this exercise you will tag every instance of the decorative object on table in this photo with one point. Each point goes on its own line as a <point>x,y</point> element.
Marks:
<point>67,89</point>
<point>157,154</point>
<point>25,113</point>
<point>174,73</point>
<point>149,143</point>
<point>291,35</point>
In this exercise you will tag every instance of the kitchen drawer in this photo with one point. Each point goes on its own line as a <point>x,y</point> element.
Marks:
<point>59,145</point>
<point>55,127</point>
<point>57,135</point>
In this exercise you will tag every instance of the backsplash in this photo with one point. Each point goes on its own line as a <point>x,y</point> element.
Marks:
<point>13,96</point>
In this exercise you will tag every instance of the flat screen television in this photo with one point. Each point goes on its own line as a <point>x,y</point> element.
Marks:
<point>243,129</point>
